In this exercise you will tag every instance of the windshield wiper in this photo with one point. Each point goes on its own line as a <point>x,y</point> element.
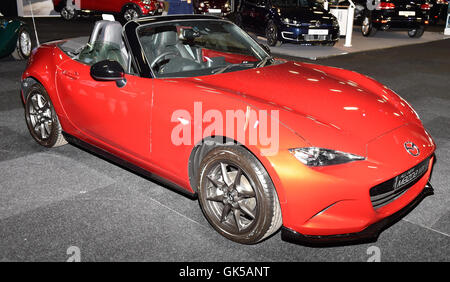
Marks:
<point>264,61</point>
<point>221,70</point>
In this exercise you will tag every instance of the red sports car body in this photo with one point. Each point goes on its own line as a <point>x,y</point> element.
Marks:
<point>325,195</point>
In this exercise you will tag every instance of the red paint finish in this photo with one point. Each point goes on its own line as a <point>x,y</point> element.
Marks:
<point>318,106</point>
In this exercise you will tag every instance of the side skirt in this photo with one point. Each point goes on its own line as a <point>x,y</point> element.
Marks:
<point>128,166</point>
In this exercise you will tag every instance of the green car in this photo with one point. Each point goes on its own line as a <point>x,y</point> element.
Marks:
<point>14,38</point>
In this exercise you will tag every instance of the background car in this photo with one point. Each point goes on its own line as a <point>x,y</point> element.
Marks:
<point>438,11</point>
<point>14,38</point>
<point>350,156</point>
<point>128,9</point>
<point>289,21</point>
<point>412,16</point>
<point>212,7</point>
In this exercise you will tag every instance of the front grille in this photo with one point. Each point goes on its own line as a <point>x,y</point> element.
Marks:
<point>388,191</point>
<point>310,37</point>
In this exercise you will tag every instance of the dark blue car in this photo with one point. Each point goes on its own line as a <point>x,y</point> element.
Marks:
<point>292,21</point>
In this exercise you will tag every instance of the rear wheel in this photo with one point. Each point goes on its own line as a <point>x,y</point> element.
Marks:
<point>417,32</point>
<point>41,118</point>
<point>367,29</point>
<point>68,13</point>
<point>272,34</point>
<point>237,195</point>
<point>131,13</point>
<point>23,47</point>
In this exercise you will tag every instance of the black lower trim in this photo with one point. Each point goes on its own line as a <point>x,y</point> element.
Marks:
<point>370,234</point>
<point>127,165</point>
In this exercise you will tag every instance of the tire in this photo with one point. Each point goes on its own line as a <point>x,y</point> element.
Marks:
<point>68,14</point>
<point>367,28</point>
<point>41,118</point>
<point>246,210</point>
<point>272,34</point>
<point>23,46</point>
<point>131,13</point>
<point>416,33</point>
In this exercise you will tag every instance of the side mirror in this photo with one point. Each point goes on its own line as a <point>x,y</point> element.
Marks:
<point>266,48</point>
<point>109,71</point>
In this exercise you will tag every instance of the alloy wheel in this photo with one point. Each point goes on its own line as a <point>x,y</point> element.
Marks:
<point>25,43</point>
<point>130,14</point>
<point>271,34</point>
<point>40,116</point>
<point>231,198</point>
<point>365,27</point>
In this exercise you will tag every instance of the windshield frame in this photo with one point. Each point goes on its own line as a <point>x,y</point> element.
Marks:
<point>146,61</point>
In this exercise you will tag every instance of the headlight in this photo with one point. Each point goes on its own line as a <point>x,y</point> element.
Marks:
<point>313,156</point>
<point>146,2</point>
<point>335,22</point>
<point>202,4</point>
<point>289,21</point>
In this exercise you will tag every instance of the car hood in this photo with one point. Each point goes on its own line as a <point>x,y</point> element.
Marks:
<point>325,108</point>
<point>306,15</point>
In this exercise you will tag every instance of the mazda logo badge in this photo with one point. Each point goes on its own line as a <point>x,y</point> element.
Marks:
<point>412,149</point>
<point>318,23</point>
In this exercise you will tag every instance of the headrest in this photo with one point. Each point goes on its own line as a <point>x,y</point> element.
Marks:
<point>107,31</point>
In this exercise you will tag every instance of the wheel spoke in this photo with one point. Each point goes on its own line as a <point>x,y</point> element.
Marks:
<point>245,194</point>
<point>225,175</point>
<point>215,197</point>
<point>226,210</point>
<point>47,127</point>
<point>237,218</point>
<point>35,103</point>
<point>246,209</point>
<point>215,182</point>
<point>237,179</point>
<point>42,129</point>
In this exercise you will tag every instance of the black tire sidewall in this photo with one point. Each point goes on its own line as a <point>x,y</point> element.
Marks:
<point>237,155</point>
<point>53,138</point>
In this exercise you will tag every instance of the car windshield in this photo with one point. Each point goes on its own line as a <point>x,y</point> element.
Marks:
<point>295,3</point>
<point>190,48</point>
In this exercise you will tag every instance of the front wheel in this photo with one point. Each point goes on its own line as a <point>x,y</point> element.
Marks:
<point>272,34</point>
<point>417,32</point>
<point>367,29</point>
<point>23,46</point>
<point>237,195</point>
<point>41,118</point>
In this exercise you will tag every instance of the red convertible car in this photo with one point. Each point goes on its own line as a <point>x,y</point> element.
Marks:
<point>327,155</point>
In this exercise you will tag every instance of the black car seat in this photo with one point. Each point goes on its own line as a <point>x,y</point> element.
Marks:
<point>105,43</point>
<point>181,58</point>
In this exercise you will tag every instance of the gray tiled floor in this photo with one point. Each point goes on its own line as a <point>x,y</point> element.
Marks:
<point>53,199</point>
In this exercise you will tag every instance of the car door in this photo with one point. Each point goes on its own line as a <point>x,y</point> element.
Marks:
<point>87,4</point>
<point>101,111</point>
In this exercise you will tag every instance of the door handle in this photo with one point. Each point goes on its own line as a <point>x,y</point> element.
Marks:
<point>71,74</point>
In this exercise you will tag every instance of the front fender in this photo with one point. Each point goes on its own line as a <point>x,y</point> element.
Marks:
<point>41,68</point>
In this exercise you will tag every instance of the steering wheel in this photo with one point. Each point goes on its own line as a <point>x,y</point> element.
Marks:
<point>160,57</point>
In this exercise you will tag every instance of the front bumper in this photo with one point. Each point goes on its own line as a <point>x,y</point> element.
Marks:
<point>369,234</point>
<point>294,34</point>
